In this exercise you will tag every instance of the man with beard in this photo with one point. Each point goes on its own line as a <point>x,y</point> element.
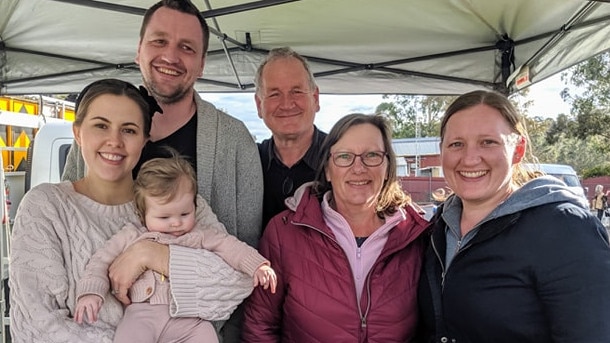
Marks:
<point>171,54</point>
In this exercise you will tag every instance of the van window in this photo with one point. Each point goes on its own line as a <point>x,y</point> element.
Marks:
<point>570,180</point>
<point>64,149</point>
<point>563,172</point>
<point>48,153</point>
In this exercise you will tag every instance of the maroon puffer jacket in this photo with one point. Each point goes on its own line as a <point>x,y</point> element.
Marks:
<point>316,297</point>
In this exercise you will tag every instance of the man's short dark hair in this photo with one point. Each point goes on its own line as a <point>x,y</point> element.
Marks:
<point>184,6</point>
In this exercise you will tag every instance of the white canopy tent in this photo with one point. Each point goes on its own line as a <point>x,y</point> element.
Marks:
<point>354,46</point>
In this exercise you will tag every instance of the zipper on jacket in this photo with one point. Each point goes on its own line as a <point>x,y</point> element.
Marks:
<point>363,316</point>
<point>440,260</point>
<point>368,279</point>
<point>368,301</point>
<point>460,249</point>
<point>457,251</point>
<point>359,261</point>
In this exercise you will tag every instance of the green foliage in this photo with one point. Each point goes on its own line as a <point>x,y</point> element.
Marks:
<point>570,150</point>
<point>580,140</point>
<point>601,170</point>
<point>412,113</point>
<point>590,98</point>
<point>562,124</point>
<point>403,110</point>
<point>521,102</point>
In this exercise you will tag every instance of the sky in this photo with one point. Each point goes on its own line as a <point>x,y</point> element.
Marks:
<point>547,101</point>
<point>545,96</point>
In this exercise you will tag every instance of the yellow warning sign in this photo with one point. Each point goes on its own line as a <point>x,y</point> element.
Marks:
<point>5,153</point>
<point>5,104</point>
<point>23,141</point>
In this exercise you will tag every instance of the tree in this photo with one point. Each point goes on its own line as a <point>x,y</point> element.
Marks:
<point>581,137</point>
<point>590,99</point>
<point>580,141</point>
<point>521,101</point>
<point>404,110</point>
<point>537,128</point>
<point>552,140</point>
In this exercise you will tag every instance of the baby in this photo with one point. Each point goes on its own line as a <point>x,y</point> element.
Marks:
<point>166,201</point>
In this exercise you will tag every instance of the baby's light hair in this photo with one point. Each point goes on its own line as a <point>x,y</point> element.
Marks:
<point>161,178</point>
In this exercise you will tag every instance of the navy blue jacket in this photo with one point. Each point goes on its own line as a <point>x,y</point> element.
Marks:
<point>537,270</point>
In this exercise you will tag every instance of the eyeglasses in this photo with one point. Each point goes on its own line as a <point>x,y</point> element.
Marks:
<point>369,159</point>
<point>287,185</point>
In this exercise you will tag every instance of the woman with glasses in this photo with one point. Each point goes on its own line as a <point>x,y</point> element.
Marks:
<point>347,251</point>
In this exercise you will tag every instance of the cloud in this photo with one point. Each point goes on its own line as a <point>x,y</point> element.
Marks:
<point>242,107</point>
<point>547,100</point>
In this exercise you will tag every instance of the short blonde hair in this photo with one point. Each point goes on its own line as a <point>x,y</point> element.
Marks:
<point>160,178</point>
<point>277,54</point>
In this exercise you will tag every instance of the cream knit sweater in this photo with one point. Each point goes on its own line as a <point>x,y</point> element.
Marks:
<point>56,231</point>
<point>229,172</point>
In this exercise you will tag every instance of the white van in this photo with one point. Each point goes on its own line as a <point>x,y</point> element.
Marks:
<point>563,172</point>
<point>48,153</point>
<point>4,246</point>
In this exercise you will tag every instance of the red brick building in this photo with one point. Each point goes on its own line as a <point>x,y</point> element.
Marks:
<point>418,163</point>
<point>418,156</point>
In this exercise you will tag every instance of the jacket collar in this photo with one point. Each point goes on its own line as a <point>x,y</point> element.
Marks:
<point>487,230</point>
<point>311,157</point>
<point>306,210</point>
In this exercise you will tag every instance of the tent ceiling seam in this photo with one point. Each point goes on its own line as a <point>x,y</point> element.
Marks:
<point>224,46</point>
<point>565,28</point>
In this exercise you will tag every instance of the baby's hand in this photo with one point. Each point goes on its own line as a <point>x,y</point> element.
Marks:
<point>265,276</point>
<point>89,305</point>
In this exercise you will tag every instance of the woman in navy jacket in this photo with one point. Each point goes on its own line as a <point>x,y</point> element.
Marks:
<point>514,256</point>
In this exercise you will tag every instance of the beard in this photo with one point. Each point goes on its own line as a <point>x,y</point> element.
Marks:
<point>173,97</point>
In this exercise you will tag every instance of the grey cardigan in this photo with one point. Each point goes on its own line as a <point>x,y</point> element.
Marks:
<point>229,171</point>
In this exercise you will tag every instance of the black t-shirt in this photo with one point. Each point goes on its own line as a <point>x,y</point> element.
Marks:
<point>281,181</point>
<point>183,140</point>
